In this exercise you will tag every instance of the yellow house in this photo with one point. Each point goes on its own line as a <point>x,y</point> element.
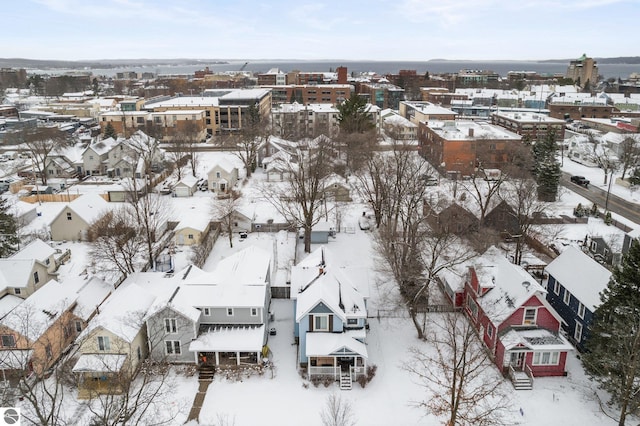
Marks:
<point>192,230</point>
<point>114,343</point>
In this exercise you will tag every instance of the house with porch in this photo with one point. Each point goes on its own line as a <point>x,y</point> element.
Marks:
<point>515,321</point>
<point>114,343</point>
<point>573,289</point>
<point>330,311</point>
<point>222,176</point>
<point>215,319</point>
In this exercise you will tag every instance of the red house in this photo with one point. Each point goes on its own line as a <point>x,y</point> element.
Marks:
<point>514,320</point>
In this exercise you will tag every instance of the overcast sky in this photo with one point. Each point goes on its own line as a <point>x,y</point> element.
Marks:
<point>297,29</point>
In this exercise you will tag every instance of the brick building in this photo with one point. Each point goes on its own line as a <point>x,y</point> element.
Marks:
<point>529,125</point>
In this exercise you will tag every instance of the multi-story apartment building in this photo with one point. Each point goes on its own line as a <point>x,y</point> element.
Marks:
<point>578,108</point>
<point>459,148</point>
<point>532,126</point>
<point>296,121</point>
<point>416,112</point>
<point>168,123</point>
<point>441,96</point>
<point>273,77</point>
<point>309,94</point>
<point>477,78</point>
<point>384,95</point>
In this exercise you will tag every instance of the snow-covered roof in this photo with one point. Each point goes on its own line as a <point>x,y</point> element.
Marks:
<point>36,249</point>
<point>320,280</point>
<point>99,363</point>
<point>323,344</point>
<point>15,359</point>
<point>88,207</point>
<point>15,272</point>
<point>581,275</point>
<point>236,338</point>
<point>185,101</point>
<point>509,285</point>
<point>123,312</point>
<point>224,164</point>
<point>188,181</point>
<point>7,303</point>
<point>538,339</point>
<point>91,294</point>
<point>199,222</point>
<point>33,317</point>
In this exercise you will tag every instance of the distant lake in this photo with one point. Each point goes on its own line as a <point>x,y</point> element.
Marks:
<point>381,67</point>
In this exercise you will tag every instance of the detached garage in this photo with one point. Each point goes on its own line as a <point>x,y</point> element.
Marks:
<point>186,187</point>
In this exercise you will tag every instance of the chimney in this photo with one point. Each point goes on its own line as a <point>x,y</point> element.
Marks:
<point>342,75</point>
<point>470,132</point>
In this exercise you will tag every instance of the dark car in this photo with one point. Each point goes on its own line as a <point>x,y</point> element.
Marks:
<point>580,180</point>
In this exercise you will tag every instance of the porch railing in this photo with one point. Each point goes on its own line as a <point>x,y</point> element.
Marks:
<point>325,371</point>
<point>528,371</point>
<point>357,371</point>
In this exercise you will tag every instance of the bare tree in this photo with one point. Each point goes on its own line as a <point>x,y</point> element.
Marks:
<point>224,210</point>
<point>604,158</point>
<point>522,196</point>
<point>629,154</point>
<point>370,181</point>
<point>301,198</point>
<point>41,143</point>
<point>151,213</point>
<point>116,242</point>
<point>250,139</point>
<point>460,382</point>
<point>337,412</point>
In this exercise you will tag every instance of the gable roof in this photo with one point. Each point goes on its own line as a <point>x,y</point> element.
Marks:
<point>508,286</point>
<point>88,207</point>
<point>122,314</point>
<point>15,272</point>
<point>581,275</point>
<point>224,164</point>
<point>319,280</point>
<point>36,249</point>
<point>33,317</point>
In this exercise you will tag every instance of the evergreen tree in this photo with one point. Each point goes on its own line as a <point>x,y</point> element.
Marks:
<point>353,115</point>
<point>546,167</point>
<point>8,230</point>
<point>109,131</point>
<point>613,357</point>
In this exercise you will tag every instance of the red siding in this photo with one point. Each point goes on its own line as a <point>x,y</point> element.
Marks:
<point>547,370</point>
<point>544,318</point>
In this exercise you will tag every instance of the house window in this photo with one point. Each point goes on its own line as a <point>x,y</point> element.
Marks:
<point>254,312</point>
<point>473,307</point>
<point>139,353</point>
<point>218,175</point>
<point>546,358</point>
<point>78,326</point>
<point>48,351</point>
<point>170,325</point>
<point>17,291</point>
<point>36,277</point>
<point>594,246</point>
<point>556,288</point>
<point>320,323</point>
<point>172,347</point>
<point>352,321</point>
<point>567,296</point>
<point>207,312</point>
<point>580,310</point>
<point>190,236</point>
<point>229,312</point>
<point>68,216</point>
<point>577,334</point>
<point>530,316</point>
<point>103,343</point>
<point>490,330</point>
<point>8,341</point>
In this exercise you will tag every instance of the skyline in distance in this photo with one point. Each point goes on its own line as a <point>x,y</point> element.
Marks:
<point>385,30</point>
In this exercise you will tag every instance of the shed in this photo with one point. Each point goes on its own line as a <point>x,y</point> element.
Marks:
<point>321,231</point>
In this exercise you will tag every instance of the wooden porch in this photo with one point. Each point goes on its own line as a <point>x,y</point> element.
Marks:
<point>521,377</point>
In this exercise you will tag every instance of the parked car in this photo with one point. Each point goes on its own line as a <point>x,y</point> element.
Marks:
<point>580,180</point>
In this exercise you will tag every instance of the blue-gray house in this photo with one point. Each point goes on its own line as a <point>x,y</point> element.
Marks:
<point>573,289</point>
<point>330,316</point>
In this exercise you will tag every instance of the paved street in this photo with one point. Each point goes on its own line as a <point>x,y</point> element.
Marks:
<point>624,208</point>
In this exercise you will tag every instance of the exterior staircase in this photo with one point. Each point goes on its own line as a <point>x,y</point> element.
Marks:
<point>521,380</point>
<point>345,381</point>
<point>206,372</point>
